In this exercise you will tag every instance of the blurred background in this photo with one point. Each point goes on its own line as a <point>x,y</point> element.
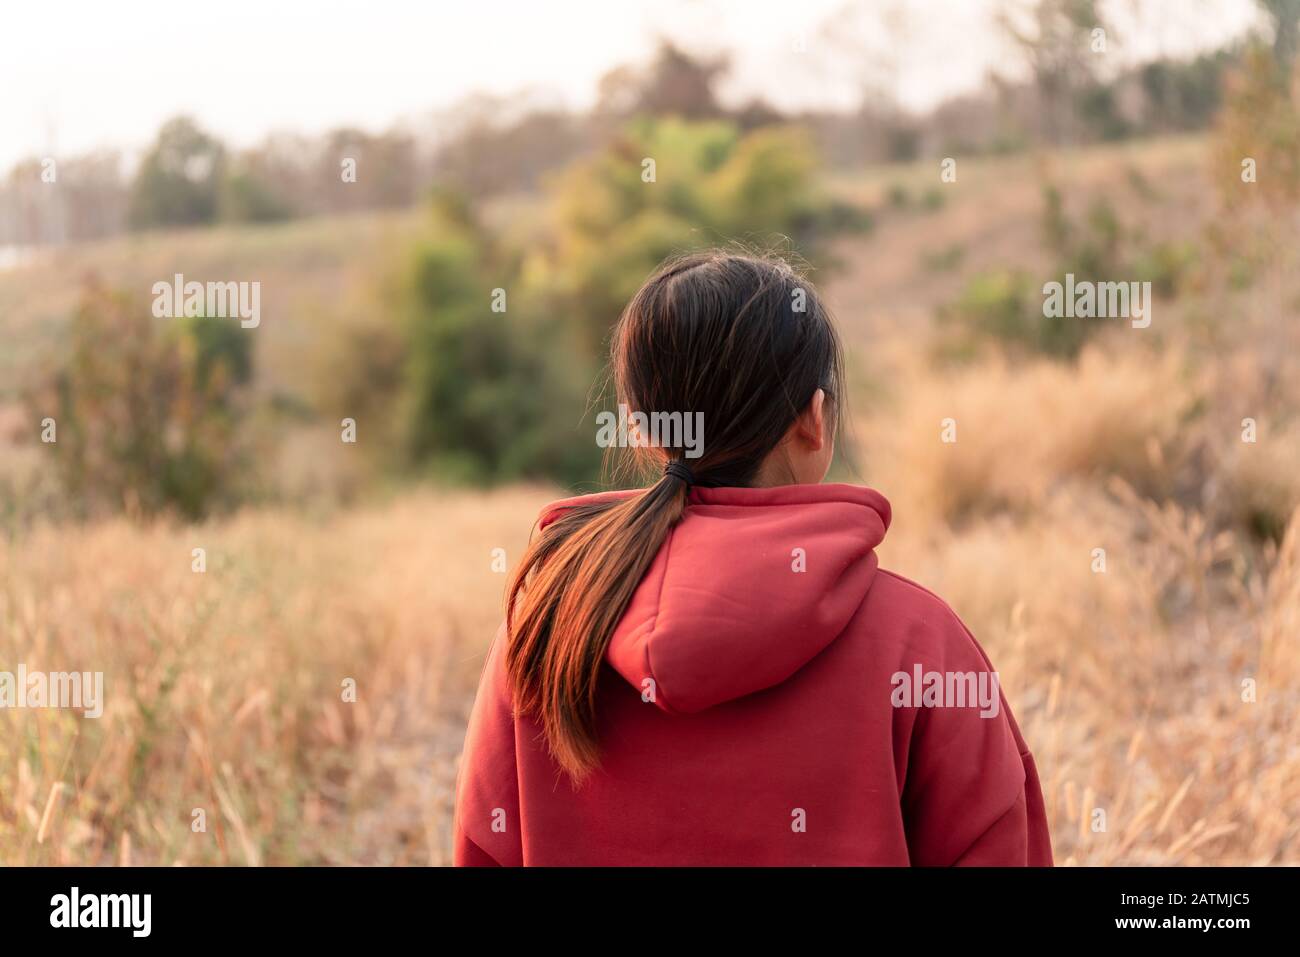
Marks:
<point>933,165</point>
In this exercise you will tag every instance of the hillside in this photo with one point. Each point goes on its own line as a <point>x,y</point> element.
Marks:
<point>1128,678</point>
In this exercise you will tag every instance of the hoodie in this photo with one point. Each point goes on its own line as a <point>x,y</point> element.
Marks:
<point>771,696</point>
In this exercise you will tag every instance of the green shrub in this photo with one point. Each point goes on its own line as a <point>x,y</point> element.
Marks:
<point>1165,265</point>
<point>148,410</point>
<point>488,396</point>
<point>933,199</point>
<point>944,259</point>
<point>244,198</point>
<point>1005,307</point>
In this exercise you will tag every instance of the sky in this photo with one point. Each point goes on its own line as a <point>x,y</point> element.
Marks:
<point>85,74</point>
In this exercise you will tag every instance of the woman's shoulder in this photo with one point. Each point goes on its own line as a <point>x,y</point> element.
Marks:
<point>553,510</point>
<point>913,616</point>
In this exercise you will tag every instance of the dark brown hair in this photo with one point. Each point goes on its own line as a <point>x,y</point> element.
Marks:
<point>745,341</point>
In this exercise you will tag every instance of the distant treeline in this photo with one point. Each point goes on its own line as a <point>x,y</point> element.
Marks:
<point>471,358</point>
<point>493,145</point>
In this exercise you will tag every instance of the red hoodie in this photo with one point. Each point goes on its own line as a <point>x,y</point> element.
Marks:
<point>753,712</point>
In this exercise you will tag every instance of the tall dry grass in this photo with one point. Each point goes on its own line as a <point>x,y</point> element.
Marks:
<point>1131,685</point>
<point>224,689</point>
<point>1159,691</point>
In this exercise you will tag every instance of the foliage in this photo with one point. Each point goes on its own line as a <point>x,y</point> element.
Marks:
<point>498,395</point>
<point>487,394</point>
<point>711,185</point>
<point>147,409</point>
<point>1260,122</point>
<point>245,198</point>
<point>179,181</point>
<point>1183,95</point>
<point>1005,307</point>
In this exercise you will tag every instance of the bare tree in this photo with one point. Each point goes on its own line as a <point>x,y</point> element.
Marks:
<point>1054,38</point>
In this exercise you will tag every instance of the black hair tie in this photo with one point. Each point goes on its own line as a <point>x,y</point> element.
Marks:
<point>679,469</point>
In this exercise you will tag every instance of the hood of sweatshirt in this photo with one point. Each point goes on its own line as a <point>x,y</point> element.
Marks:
<point>749,587</point>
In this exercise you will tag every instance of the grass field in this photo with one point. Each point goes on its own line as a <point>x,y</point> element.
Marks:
<point>1131,685</point>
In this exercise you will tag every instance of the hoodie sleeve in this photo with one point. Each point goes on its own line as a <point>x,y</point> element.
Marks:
<point>971,794</point>
<point>486,829</point>
<point>468,854</point>
<point>1019,837</point>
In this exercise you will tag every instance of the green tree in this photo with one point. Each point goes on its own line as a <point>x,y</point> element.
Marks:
<point>179,181</point>
<point>667,186</point>
<point>245,198</point>
<point>490,395</point>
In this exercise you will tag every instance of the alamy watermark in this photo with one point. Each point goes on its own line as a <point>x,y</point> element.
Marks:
<point>665,430</point>
<point>81,690</point>
<point>133,912</point>
<point>1085,299</point>
<point>212,300</point>
<point>946,689</point>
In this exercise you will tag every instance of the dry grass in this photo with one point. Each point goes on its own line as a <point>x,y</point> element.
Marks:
<point>1018,431</point>
<point>1128,684</point>
<point>224,689</point>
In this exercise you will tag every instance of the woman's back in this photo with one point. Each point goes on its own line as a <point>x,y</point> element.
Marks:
<point>713,669</point>
<point>769,697</point>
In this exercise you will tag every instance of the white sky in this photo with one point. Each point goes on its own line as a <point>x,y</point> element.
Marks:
<point>81,74</point>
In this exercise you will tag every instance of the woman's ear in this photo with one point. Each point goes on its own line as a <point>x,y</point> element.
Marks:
<point>811,424</point>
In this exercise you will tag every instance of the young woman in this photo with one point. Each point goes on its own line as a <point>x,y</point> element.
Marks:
<point>714,670</point>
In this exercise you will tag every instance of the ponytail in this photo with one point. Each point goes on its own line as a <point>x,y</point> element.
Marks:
<point>564,602</point>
